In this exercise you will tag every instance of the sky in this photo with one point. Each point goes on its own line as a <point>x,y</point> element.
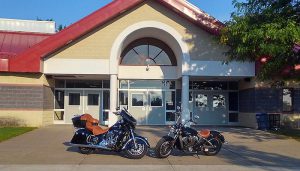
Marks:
<point>66,12</point>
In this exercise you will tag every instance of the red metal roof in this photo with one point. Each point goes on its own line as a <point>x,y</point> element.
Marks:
<point>99,17</point>
<point>13,43</point>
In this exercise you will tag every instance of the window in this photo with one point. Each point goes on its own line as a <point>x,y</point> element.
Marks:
<point>123,98</point>
<point>190,96</point>
<point>59,115</point>
<point>137,100</point>
<point>93,99</point>
<point>83,84</point>
<point>218,101</point>
<point>170,100</point>
<point>233,117</point>
<point>170,117</point>
<point>156,99</point>
<point>105,116</point>
<point>106,102</point>
<point>59,99</point>
<point>148,51</point>
<point>74,98</point>
<point>287,105</point>
<point>233,101</point>
<point>201,100</point>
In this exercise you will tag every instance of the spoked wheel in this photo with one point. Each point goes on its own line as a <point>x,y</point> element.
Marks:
<point>136,152</point>
<point>214,149</point>
<point>85,150</point>
<point>163,148</point>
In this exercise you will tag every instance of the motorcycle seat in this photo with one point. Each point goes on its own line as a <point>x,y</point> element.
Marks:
<point>89,118</point>
<point>204,133</point>
<point>95,129</point>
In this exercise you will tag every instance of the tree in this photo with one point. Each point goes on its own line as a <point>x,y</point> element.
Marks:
<point>265,31</point>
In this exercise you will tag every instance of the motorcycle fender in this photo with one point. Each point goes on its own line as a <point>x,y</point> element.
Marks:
<point>218,135</point>
<point>136,137</point>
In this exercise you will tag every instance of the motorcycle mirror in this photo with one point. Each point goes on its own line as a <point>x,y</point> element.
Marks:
<point>196,117</point>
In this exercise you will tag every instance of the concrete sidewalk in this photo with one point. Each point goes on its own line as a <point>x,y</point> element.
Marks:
<point>246,148</point>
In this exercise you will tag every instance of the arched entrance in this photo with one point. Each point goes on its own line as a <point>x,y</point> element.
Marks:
<point>163,58</point>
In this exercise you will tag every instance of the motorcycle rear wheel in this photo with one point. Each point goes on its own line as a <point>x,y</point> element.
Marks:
<point>163,148</point>
<point>85,150</point>
<point>213,150</point>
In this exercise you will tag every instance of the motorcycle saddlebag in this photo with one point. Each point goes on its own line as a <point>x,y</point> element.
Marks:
<point>80,136</point>
<point>78,123</point>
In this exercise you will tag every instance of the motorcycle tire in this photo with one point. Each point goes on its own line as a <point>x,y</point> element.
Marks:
<point>163,143</point>
<point>212,152</point>
<point>85,150</point>
<point>138,153</point>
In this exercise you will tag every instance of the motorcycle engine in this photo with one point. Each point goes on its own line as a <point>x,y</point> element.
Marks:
<point>189,142</point>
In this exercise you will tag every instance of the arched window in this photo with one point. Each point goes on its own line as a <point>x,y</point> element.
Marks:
<point>148,51</point>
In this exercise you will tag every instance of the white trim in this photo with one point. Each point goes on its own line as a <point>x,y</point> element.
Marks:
<point>219,69</point>
<point>119,42</point>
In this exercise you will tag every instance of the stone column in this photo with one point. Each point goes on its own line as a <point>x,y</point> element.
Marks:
<point>185,99</point>
<point>113,99</point>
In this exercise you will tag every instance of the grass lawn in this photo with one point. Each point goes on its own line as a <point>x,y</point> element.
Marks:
<point>293,133</point>
<point>10,132</point>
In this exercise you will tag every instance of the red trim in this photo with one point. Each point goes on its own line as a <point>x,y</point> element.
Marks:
<point>31,58</point>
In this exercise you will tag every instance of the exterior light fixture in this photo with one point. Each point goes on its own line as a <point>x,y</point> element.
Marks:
<point>148,64</point>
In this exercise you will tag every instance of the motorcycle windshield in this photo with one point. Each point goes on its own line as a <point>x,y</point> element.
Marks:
<point>128,117</point>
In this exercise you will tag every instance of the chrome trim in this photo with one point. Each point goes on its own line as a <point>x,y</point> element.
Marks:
<point>90,146</point>
<point>145,141</point>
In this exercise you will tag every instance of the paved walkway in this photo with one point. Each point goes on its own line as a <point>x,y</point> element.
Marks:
<point>247,148</point>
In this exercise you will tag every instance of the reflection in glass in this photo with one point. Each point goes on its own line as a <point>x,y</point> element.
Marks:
<point>74,98</point>
<point>201,100</point>
<point>106,101</point>
<point>93,99</point>
<point>105,116</point>
<point>218,101</point>
<point>156,99</point>
<point>59,99</point>
<point>287,100</point>
<point>137,100</point>
<point>170,100</point>
<point>123,98</point>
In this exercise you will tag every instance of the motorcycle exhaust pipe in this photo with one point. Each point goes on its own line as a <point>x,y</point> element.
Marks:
<point>89,146</point>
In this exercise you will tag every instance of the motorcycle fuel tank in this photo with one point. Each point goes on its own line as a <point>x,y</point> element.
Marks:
<point>186,131</point>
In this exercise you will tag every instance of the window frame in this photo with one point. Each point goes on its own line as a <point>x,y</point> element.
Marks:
<point>150,42</point>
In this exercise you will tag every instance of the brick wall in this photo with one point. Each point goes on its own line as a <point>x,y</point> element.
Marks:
<point>268,100</point>
<point>247,100</point>
<point>36,97</point>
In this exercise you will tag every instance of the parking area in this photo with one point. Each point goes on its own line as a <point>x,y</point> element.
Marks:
<point>247,147</point>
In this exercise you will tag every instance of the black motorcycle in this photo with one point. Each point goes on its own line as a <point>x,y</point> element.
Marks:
<point>120,137</point>
<point>189,140</point>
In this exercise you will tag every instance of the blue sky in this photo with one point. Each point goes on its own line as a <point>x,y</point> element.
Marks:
<point>69,11</point>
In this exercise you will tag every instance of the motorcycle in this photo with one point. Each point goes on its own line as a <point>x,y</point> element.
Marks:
<point>120,137</point>
<point>187,139</point>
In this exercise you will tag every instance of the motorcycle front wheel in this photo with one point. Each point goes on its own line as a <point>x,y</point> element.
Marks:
<point>214,149</point>
<point>137,152</point>
<point>164,147</point>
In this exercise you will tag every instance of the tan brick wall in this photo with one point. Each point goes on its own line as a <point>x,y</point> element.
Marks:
<point>23,117</point>
<point>97,44</point>
<point>248,120</point>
